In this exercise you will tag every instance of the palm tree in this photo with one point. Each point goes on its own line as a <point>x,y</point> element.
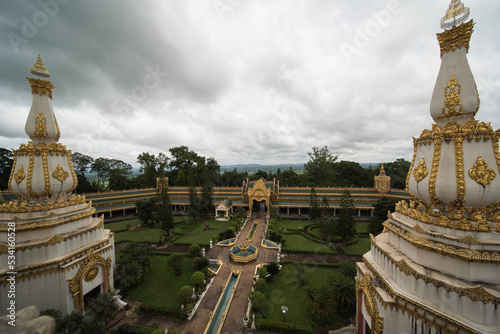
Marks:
<point>344,290</point>
<point>321,304</point>
<point>103,307</point>
<point>128,274</point>
<point>78,323</point>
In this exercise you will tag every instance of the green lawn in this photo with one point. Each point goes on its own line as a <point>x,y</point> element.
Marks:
<point>292,224</point>
<point>189,229</point>
<point>298,243</point>
<point>362,227</point>
<point>152,235</point>
<point>219,225</point>
<point>161,285</point>
<point>121,226</point>
<point>202,238</point>
<point>287,291</point>
<point>359,248</point>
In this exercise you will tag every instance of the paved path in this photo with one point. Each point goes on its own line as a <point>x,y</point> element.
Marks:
<point>239,304</point>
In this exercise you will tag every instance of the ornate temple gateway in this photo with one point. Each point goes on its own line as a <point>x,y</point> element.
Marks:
<point>52,251</point>
<point>436,266</point>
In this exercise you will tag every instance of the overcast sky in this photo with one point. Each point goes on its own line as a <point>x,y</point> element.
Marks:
<point>240,81</point>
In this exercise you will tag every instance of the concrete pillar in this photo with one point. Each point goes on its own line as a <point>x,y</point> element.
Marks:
<point>287,211</point>
<point>359,213</point>
<point>371,213</point>
<point>299,211</point>
<point>111,214</point>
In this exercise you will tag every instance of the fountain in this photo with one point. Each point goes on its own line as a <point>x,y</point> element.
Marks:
<point>244,253</point>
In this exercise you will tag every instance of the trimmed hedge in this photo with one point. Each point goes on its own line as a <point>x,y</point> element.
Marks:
<point>161,310</point>
<point>169,253</point>
<point>282,327</point>
<point>138,329</point>
<point>310,264</point>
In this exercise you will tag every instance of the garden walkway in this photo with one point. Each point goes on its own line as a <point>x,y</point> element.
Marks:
<point>238,307</point>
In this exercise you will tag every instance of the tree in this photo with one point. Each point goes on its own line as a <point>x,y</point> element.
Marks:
<point>320,303</point>
<point>103,307</point>
<point>345,225</point>
<point>146,211</point>
<point>6,161</point>
<point>175,262</point>
<point>325,207</point>
<point>260,284</point>
<point>262,272</point>
<point>273,269</point>
<point>197,279</point>
<point>128,274</point>
<point>152,167</point>
<point>77,322</point>
<point>194,250</point>
<point>164,209</point>
<point>194,210</point>
<point>351,174</point>
<point>320,168</point>
<point>119,179</point>
<point>288,178</point>
<point>344,293</point>
<point>314,209</point>
<point>259,304</point>
<point>103,168</point>
<point>185,293</point>
<point>81,162</point>
<point>380,210</point>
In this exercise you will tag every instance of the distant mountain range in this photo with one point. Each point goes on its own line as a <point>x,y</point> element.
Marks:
<point>252,168</point>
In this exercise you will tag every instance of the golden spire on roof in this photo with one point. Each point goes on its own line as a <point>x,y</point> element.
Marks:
<point>456,14</point>
<point>39,68</point>
<point>382,169</point>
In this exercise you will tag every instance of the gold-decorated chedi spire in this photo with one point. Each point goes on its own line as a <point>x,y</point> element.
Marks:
<point>455,96</point>
<point>457,162</point>
<point>43,167</point>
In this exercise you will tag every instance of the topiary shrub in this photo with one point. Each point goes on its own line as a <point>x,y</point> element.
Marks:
<point>194,250</point>
<point>199,263</point>
<point>260,284</point>
<point>197,279</point>
<point>185,293</point>
<point>262,272</point>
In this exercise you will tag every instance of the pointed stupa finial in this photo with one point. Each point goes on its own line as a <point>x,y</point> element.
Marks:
<point>39,68</point>
<point>382,169</point>
<point>456,14</point>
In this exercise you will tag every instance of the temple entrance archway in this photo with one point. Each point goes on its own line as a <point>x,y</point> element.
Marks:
<point>259,193</point>
<point>259,209</point>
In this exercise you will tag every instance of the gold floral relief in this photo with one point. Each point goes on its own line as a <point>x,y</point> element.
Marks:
<point>421,171</point>
<point>91,274</point>
<point>483,226</point>
<point>41,87</point>
<point>481,172</point>
<point>19,175</point>
<point>456,38</point>
<point>40,126</point>
<point>60,174</point>
<point>452,105</point>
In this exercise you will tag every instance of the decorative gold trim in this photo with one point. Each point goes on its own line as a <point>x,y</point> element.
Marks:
<point>481,172</point>
<point>56,239</point>
<point>403,303</point>
<point>464,254</point>
<point>91,274</point>
<point>458,139</point>
<point>456,37</point>
<point>72,170</point>
<point>415,145</point>
<point>421,171</point>
<point>437,139</point>
<point>12,170</point>
<point>41,87</point>
<point>60,174</point>
<point>46,177</point>
<point>76,285</point>
<point>31,164</point>
<point>20,206</point>
<point>366,288</point>
<point>452,98</point>
<point>476,293</point>
<point>50,267</point>
<point>19,175</point>
<point>40,126</point>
